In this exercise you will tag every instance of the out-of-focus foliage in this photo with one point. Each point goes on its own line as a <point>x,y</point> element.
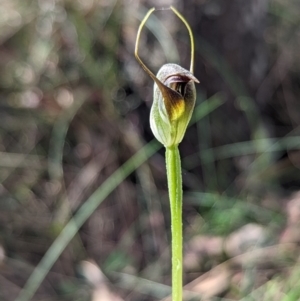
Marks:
<point>74,106</point>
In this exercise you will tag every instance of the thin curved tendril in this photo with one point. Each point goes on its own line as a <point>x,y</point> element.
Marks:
<point>137,44</point>
<point>181,17</point>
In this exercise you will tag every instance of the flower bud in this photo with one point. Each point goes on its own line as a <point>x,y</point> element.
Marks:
<point>173,104</point>
<point>174,94</point>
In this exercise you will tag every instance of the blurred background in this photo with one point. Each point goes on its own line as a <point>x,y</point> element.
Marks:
<point>74,108</point>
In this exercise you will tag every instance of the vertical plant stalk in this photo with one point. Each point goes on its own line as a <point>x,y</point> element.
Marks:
<point>174,99</point>
<point>175,195</point>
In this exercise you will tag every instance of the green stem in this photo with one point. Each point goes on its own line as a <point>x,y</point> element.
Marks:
<point>175,195</point>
